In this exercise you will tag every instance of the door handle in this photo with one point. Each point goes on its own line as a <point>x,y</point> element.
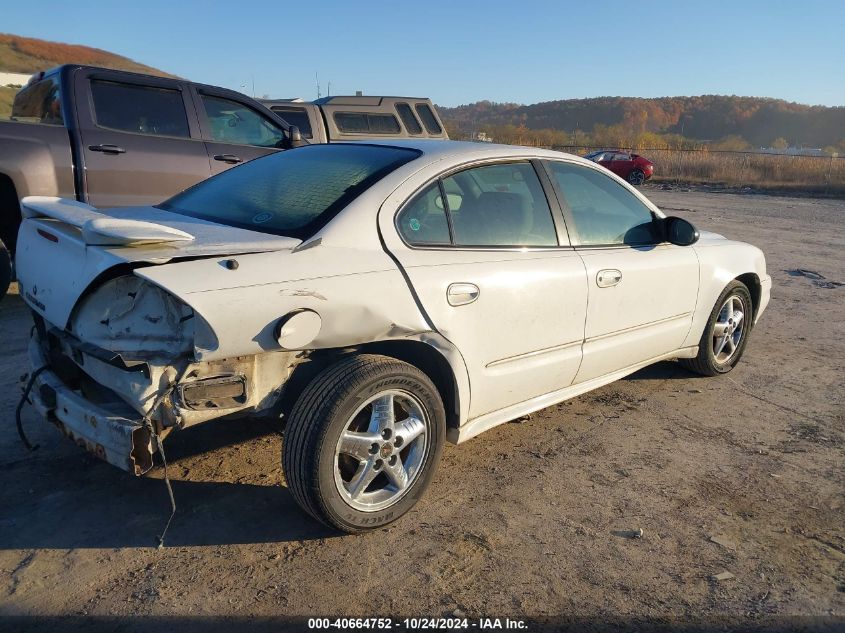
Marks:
<point>228,158</point>
<point>107,149</point>
<point>462,294</point>
<point>608,277</point>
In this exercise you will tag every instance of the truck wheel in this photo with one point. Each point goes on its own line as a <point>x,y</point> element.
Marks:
<point>363,441</point>
<point>5,270</point>
<point>726,334</point>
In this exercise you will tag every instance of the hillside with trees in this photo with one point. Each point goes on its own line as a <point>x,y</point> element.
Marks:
<point>28,55</point>
<point>729,121</point>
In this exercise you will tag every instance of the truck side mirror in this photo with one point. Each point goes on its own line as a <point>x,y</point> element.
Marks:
<point>294,136</point>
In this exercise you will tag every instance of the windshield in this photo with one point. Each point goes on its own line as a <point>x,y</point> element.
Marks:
<point>292,193</point>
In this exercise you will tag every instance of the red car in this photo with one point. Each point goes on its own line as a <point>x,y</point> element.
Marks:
<point>632,167</point>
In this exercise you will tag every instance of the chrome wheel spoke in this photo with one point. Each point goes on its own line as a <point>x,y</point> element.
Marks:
<point>720,345</point>
<point>720,329</point>
<point>383,416</point>
<point>409,430</point>
<point>362,478</point>
<point>359,445</point>
<point>396,473</point>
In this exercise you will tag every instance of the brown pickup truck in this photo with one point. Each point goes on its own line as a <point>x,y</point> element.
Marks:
<point>115,139</point>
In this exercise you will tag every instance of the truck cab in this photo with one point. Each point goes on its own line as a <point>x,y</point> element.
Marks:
<point>351,118</point>
<point>113,138</point>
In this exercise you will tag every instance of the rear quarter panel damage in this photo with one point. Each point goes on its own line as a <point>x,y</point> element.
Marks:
<point>360,297</point>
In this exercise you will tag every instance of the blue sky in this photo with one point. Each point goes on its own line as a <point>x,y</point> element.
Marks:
<point>462,51</point>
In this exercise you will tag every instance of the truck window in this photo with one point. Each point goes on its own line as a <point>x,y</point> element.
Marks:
<point>428,119</point>
<point>233,122</point>
<point>366,123</point>
<point>40,103</point>
<point>408,118</point>
<point>295,116</point>
<point>139,109</point>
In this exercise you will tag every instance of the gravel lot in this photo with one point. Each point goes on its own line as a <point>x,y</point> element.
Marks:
<point>742,473</point>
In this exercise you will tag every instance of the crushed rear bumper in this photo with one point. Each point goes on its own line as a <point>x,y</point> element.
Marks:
<point>116,436</point>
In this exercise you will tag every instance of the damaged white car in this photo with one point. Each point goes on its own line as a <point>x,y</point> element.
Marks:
<point>381,299</point>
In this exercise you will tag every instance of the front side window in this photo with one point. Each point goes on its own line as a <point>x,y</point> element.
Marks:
<point>291,193</point>
<point>139,109</point>
<point>604,212</point>
<point>297,117</point>
<point>233,122</point>
<point>366,123</point>
<point>423,220</point>
<point>40,103</point>
<point>499,205</point>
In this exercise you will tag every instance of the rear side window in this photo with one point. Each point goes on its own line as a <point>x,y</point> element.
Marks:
<point>366,123</point>
<point>139,109</point>
<point>428,118</point>
<point>40,103</point>
<point>295,116</point>
<point>233,122</point>
<point>423,220</point>
<point>499,205</point>
<point>407,115</point>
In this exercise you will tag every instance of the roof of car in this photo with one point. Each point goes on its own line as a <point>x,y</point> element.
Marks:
<point>440,148</point>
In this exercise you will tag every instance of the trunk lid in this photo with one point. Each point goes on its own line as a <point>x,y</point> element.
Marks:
<point>61,247</point>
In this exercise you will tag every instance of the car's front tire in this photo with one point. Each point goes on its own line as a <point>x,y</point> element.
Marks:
<point>5,270</point>
<point>636,177</point>
<point>363,441</point>
<point>726,333</point>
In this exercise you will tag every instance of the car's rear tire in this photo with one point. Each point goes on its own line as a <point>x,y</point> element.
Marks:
<point>636,177</point>
<point>726,334</point>
<point>363,441</point>
<point>5,270</point>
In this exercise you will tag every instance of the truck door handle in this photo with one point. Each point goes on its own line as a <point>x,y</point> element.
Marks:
<point>107,149</point>
<point>608,277</point>
<point>228,158</point>
<point>462,294</point>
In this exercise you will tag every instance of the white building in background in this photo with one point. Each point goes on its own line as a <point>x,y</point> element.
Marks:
<point>14,79</point>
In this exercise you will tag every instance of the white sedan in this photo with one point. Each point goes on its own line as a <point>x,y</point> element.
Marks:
<point>379,298</point>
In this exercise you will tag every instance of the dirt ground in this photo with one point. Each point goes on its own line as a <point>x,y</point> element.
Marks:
<point>742,473</point>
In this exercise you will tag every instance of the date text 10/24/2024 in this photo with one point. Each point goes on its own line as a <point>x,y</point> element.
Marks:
<point>416,624</point>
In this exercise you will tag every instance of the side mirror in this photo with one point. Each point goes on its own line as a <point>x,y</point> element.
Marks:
<point>294,137</point>
<point>680,231</point>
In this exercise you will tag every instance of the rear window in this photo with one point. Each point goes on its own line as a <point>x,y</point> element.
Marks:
<point>40,103</point>
<point>366,123</point>
<point>291,193</point>
<point>139,109</point>
<point>408,118</point>
<point>297,117</point>
<point>428,118</point>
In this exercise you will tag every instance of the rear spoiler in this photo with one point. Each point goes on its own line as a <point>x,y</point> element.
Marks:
<point>99,229</point>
